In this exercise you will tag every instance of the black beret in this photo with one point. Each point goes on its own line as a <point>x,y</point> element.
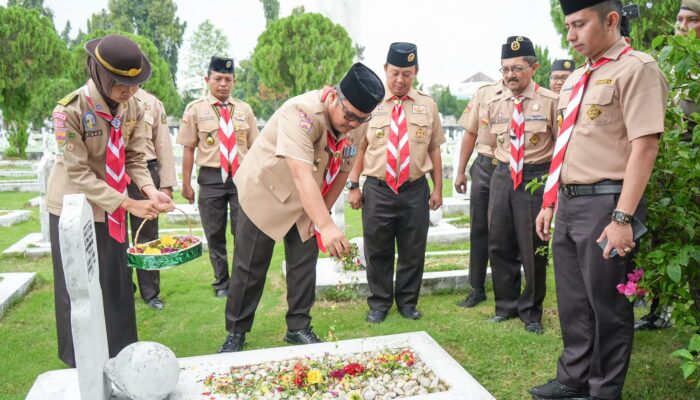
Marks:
<point>221,64</point>
<point>519,47</point>
<point>563,65</point>
<point>362,88</point>
<point>121,57</point>
<point>402,54</point>
<point>571,6</point>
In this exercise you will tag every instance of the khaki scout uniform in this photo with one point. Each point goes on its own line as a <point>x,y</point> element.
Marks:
<point>402,218</point>
<point>625,99</point>
<point>271,209</point>
<point>475,120</point>
<point>200,130</point>
<point>161,165</point>
<point>82,136</point>
<point>512,213</point>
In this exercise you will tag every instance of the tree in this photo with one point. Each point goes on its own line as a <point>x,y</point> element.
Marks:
<point>542,75</point>
<point>248,88</point>
<point>272,10</point>
<point>302,52</point>
<point>655,18</point>
<point>448,104</point>
<point>160,84</point>
<point>65,34</point>
<point>153,19</point>
<point>33,5</point>
<point>207,40</point>
<point>32,58</point>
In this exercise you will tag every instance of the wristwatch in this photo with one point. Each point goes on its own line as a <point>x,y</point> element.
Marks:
<point>352,185</point>
<point>621,218</point>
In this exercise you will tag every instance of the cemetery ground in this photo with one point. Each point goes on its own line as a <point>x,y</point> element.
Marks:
<point>502,357</point>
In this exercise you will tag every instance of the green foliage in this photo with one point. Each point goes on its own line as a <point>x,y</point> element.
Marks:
<point>542,75</point>
<point>448,104</point>
<point>272,10</point>
<point>153,19</point>
<point>32,5</point>
<point>160,84</point>
<point>208,40</point>
<point>655,18</point>
<point>32,57</point>
<point>671,254</point>
<point>250,89</point>
<point>302,52</point>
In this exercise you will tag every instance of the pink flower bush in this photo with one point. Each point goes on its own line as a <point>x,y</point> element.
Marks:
<point>630,288</point>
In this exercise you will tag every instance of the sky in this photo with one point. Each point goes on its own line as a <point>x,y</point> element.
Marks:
<point>455,38</point>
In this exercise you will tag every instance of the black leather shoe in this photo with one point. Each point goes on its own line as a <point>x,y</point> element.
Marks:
<point>555,390</point>
<point>376,316</point>
<point>410,313</point>
<point>534,327</point>
<point>221,293</point>
<point>651,322</point>
<point>234,342</point>
<point>473,298</point>
<point>302,336</point>
<point>499,318</point>
<point>155,303</point>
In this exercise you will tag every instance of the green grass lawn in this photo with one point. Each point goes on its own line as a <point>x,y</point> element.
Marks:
<point>503,357</point>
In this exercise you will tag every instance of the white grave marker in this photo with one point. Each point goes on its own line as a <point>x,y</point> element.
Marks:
<point>80,267</point>
<point>338,213</point>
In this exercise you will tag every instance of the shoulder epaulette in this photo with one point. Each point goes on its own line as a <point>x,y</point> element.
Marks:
<point>642,56</point>
<point>68,98</point>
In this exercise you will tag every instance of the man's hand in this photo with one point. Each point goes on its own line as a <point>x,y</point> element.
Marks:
<point>619,237</point>
<point>162,200</point>
<point>188,192</point>
<point>435,200</point>
<point>334,241</point>
<point>461,183</point>
<point>167,191</point>
<point>543,223</point>
<point>355,198</point>
<point>145,209</point>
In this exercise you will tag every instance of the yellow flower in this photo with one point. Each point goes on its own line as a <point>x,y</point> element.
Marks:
<point>167,241</point>
<point>314,376</point>
<point>151,250</point>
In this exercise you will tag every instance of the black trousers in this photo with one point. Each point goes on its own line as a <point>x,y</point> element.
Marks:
<point>597,323</point>
<point>149,281</point>
<point>217,202</point>
<point>117,293</point>
<point>251,260</point>
<point>388,219</point>
<point>512,240</point>
<point>480,174</point>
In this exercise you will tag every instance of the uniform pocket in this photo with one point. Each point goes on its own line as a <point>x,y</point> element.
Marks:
<point>597,108</point>
<point>418,128</point>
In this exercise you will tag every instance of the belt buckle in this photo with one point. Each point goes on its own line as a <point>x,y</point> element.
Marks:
<point>570,190</point>
<point>494,162</point>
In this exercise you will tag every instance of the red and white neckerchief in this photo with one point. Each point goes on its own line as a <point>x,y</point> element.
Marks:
<point>517,142</point>
<point>397,150</point>
<point>228,151</point>
<point>336,148</point>
<point>551,188</point>
<point>115,169</point>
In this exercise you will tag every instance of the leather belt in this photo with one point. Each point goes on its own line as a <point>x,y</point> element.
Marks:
<point>486,159</point>
<point>543,168</point>
<point>602,187</point>
<point>405,186</point>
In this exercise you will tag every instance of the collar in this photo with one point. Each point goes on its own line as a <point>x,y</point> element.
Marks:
<point>213,100</point>
<point>614,51</point>
<point>412,94</point>
<point>99,102</point>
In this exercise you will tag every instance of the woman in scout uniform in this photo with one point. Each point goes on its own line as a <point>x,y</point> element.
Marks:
<point>99,130</point>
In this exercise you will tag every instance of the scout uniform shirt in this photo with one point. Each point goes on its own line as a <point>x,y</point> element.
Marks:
<point>539,110</point>
<point>424,131</point>
<point>475,118</point>
<point>266,190</point>
<point>158,145</point>
<point>200,129</point>
<point>81,137</point>
<point>624,99</point>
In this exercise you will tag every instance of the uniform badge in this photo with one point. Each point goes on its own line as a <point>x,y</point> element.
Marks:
<point>603,82</point>
<point>305,121</point>
<point>380,133</point>
<point>236,126</point>
<point>210,140</point>
<point>69,147</point>
<point>206,111</point>
<point>500,139</point>
<point>484,122</point>
<point>59,120</point>
<point>116,123</point>
<point>91,134</point>
<point>163,118</point>
<point>593,112</point>
<point>420,134</point>
<point>515,46</point>
<point>239,114</point>
<point>536,107</point>
<point>228,64</point>
<point>567,64</point>
<point>61,138</point>
<point>560,119</point>
<point>419,109</point>
<point>130,124</point>
<point>89,121</point>
<point>411,57</point>
<point>534,139</point>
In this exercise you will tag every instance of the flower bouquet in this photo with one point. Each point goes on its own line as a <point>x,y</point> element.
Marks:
<point>350,261</point>
<point>166,252</point>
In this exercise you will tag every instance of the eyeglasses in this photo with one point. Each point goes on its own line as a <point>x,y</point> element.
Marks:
<point>349,115</point>
<point>560,78</point>
<point>516,70</point>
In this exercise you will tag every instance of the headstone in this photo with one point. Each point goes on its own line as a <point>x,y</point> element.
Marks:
<point>435,217</point>
<point>44,171</point>
<point>144,371</point>
<point>81,270</point>
<point>338,213</point>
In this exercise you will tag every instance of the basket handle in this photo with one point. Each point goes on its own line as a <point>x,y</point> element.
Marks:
<point>138,231</point>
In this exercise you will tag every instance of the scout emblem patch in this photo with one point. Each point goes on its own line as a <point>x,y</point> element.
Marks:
<point>210,140</point>
<point>89,121</point>
<point>560,119</point>
<point>305,121</point>
<point>420,134</point>
<point>411,57</point>
<point>59,120</point>
<point>484,122</point>
<point>239,114</point>
<point>116,123</point>
<point>379,133</point>
<point>130,124</point>
<point>593,112</point>
<point>419,109</point>
<point>515,46</point>
<point>534,139</point>
<point>61,137</point>
<point>567,64</point>
<point>536,107</point>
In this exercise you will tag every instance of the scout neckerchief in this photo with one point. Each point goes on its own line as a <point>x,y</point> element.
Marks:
<point>552,186</point>
<point>517,142</point>
<point>115,168</point>
<point>397,151</point>
<point>228,151</point>
<point>336,148</point>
